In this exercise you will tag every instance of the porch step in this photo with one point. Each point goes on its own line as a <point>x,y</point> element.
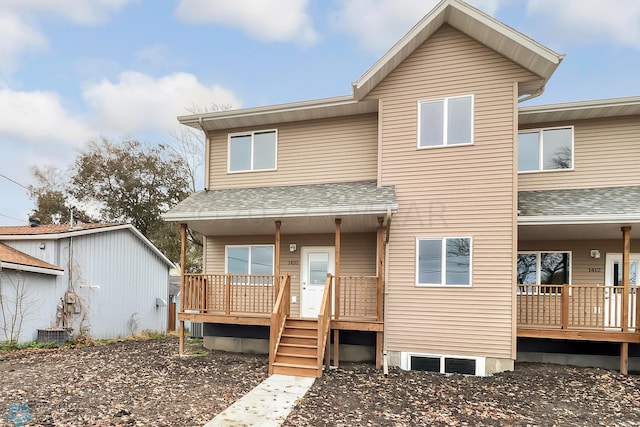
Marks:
<point>297,369</point>
<point>297,352</point>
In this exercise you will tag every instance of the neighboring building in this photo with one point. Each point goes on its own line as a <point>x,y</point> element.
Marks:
<point>99,280</point>
<point>452,222</point>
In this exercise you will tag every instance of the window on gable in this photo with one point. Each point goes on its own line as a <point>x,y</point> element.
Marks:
<point>445,261</point>
<point>543,268</point>
<point>252,151</point>
<point>447,121</point>
<point>545,149</point>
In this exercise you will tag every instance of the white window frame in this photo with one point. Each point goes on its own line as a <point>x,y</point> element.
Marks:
<point>538,265</point>
<point>445,117</point>
<point>443,265</point>
<point>539,131</point>
<point>226,256</point>
<point>252,134</point>
<point>481,361</point>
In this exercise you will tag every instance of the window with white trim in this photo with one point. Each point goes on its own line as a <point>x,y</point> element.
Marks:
<point>249,259</point>
<point>543,268</point>
<point>253,151</point>
<point>443,261</point>
<point>545,149</point>
<point>445,121</point>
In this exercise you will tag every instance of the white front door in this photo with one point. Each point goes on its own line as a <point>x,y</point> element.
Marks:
<point>317,261</point>
<point>613,297</point>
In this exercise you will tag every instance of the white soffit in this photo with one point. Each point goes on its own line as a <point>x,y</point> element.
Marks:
<point>492,33</point>
<point>583,110</point>
<point>282,113</point>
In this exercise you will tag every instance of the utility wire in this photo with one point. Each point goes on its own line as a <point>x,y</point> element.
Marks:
<point>10,217</point>
<point>15,182</point>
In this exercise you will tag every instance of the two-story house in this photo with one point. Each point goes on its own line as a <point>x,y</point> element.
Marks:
<point>425,215</point>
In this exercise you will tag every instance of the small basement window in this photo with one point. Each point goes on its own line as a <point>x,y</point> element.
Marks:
<point>443,364</point>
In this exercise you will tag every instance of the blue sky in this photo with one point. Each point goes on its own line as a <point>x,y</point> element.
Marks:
<point>75,70</point>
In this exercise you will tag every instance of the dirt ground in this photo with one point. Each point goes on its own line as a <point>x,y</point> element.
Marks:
<point>147,383</point>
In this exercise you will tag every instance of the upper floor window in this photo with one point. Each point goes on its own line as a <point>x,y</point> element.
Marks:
<point>443,261</point>
<point>545,149</point>
<point>446,121</point>
<point>252,151</point>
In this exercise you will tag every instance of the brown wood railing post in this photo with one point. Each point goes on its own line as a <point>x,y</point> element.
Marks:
<point>565,306</point>
<point>183,262</point>
<point>381,261</point>
<point>227,295</point>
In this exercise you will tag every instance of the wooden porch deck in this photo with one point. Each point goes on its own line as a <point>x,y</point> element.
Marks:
<point>350,303</point>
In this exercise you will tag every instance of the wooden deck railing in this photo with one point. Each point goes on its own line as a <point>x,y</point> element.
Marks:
<point>356,297</point>
<point>230,293</point>
<point>579,307</point>
<point>324,322</point>
<point>279,314</point>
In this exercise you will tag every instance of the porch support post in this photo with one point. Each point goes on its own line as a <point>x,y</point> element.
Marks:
<point>277,257</point>
<point>336,307</point>
<point>626,251</point>
<point>183,264</point>
<point>379,288</point>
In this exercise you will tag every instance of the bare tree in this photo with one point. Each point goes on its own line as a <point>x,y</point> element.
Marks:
<point>17,299</point>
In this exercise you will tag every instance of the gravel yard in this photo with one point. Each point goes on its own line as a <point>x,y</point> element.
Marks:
<point>147,383</point>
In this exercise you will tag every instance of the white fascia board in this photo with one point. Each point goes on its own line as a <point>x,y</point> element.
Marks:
<point>580,105</point>
<point>194,119</point>
<point>30,268</point>
<point>577,219</point>
<point>64,235</point>
<point>280,213</point>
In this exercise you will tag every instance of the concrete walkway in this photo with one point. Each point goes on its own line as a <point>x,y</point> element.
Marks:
<point>266,405</point>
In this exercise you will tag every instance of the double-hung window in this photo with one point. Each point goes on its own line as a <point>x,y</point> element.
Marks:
<point>253,151</point>
<point>545,149</point>
<point>443,261</point>
<point>445,121</point>
<point>249,259</point>
<point>543,268</point>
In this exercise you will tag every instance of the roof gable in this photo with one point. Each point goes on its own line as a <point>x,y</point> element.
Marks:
<point>506,41</point>
<point>63,231</point>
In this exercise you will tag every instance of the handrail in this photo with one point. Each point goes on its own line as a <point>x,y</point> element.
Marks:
<point>324,321</point>
<point>356,298</point>
<point>584,307</point>
<point>279,314</point>
<point>228,294</point>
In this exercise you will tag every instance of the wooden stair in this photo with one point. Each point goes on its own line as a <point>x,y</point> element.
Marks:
<point>297,352</point>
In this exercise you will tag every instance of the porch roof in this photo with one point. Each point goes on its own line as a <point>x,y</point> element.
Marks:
<point>617,202</point>
<point>563,214</point>
<point>245,210</point>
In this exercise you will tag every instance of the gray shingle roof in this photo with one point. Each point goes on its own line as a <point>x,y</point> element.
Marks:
<point>580,202</point>
<point>296,200</point>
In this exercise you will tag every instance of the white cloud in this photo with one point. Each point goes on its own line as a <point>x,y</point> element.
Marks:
<point>591,20</point>
<point>141,103</point>
<point>377,24</point>
<point>39,118</point>
<point>88,12</point>
<point>19,22</point>
<point>15,37</point>
<point>272,21</point>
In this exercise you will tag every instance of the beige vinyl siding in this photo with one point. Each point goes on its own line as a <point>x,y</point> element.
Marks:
<point>358,257</point>
<point>464,191</point>
<point>339,149</point>
<point>600,146</point>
